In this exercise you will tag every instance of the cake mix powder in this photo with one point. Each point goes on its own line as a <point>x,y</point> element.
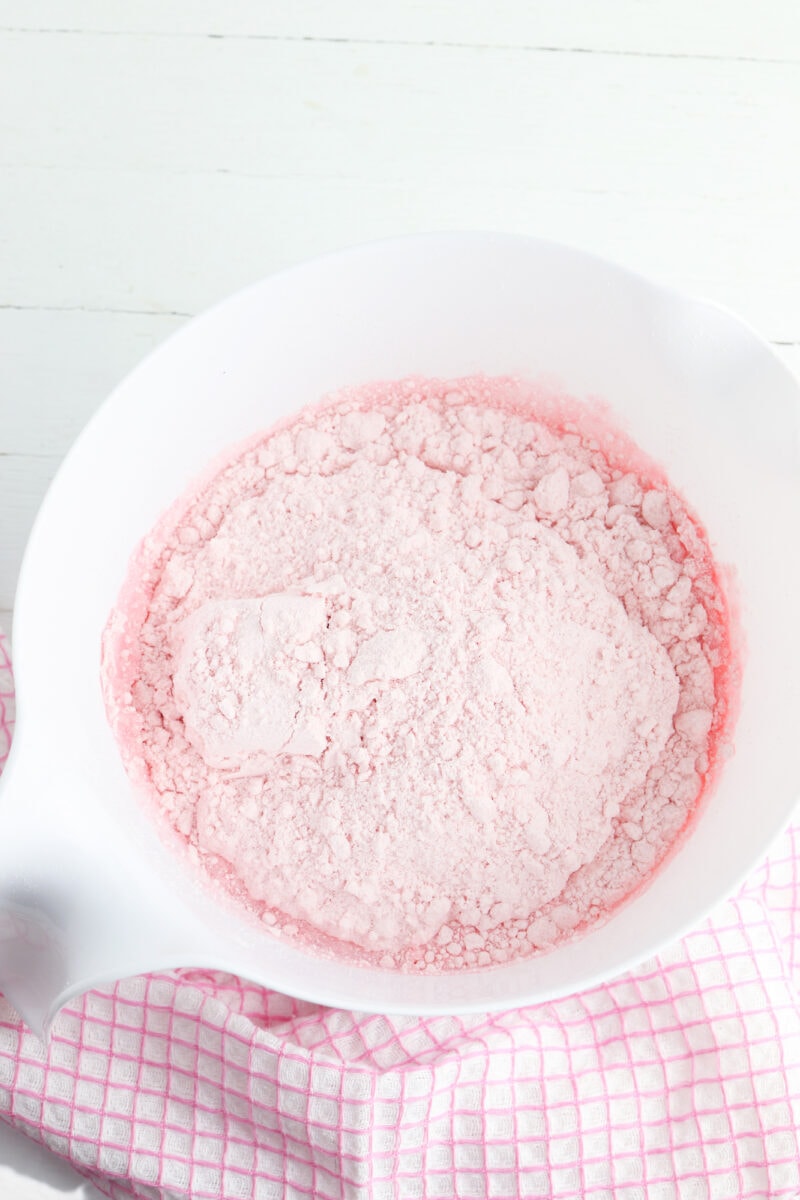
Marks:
<point>432,676</point>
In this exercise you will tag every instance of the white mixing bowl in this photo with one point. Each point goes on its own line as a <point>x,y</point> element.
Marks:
<point>88,892</point>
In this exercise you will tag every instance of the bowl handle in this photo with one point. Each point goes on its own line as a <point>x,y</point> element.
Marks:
<point>71,915</point>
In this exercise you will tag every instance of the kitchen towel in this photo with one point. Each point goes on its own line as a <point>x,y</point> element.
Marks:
<point>680,1080</point>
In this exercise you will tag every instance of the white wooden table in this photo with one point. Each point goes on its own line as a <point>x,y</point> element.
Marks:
<point>157,155</point>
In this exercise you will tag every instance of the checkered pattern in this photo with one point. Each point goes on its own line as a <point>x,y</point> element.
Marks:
<point>676,1082</point>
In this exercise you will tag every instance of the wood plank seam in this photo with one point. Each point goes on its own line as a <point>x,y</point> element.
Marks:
<point>525,48</point>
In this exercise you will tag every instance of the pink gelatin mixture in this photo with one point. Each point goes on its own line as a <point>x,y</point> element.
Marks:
<point>432,676</point>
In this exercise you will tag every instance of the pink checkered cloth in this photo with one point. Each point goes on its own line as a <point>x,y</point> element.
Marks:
<point>678,1081</point>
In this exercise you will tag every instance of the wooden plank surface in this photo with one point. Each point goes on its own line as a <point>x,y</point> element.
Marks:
<point>154,174</point>
<point>716,28</point>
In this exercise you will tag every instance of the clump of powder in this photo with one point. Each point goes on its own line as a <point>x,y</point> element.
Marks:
<point>438,670</point>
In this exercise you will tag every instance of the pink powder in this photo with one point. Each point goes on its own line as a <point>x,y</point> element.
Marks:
<point>433,676</point>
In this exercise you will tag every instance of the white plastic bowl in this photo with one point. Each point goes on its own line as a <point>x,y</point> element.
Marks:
<point>87,890</point>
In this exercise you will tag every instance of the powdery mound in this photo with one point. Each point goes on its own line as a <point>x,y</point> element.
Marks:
<point>428,672</point>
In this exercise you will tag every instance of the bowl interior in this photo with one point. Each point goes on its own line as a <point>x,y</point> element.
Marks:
<point>695,387</point>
